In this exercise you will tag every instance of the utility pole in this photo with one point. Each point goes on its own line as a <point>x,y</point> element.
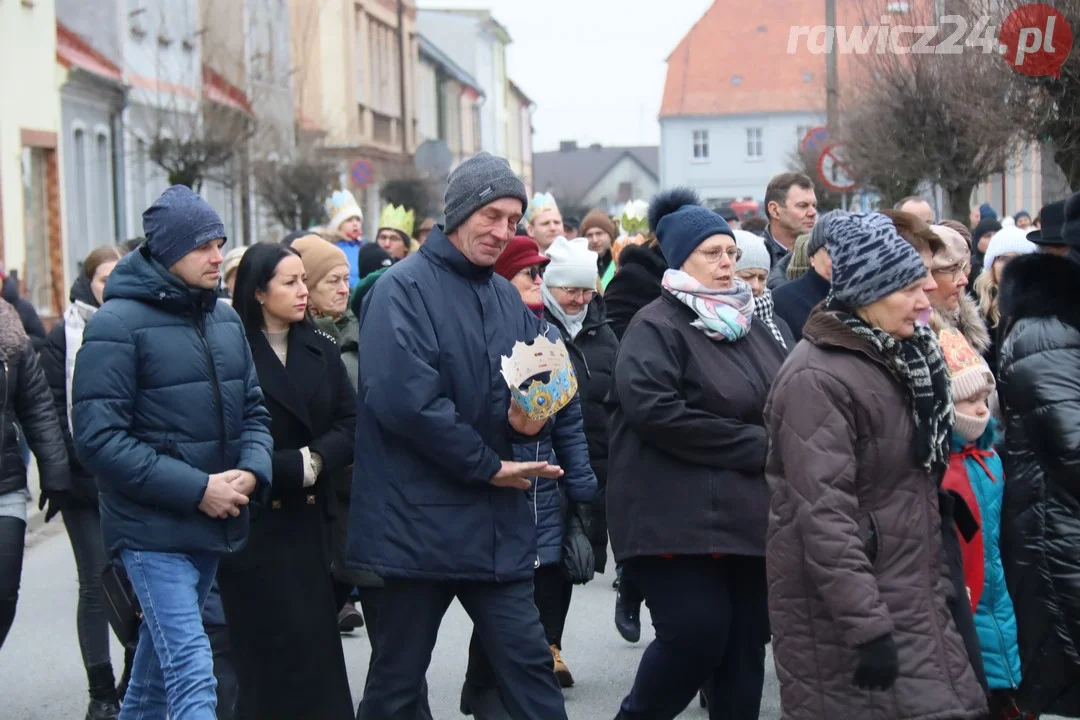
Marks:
<point>832,92</point>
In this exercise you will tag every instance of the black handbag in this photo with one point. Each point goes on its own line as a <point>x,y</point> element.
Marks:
<point>121,605</point>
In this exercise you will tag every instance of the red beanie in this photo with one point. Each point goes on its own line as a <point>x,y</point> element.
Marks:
<point>520,253</point>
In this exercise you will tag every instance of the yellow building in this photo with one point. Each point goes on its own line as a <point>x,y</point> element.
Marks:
<point>31,221</point>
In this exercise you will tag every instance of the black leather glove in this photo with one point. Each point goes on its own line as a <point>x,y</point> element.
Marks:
<point>879,664</point>
<point>56,500</point>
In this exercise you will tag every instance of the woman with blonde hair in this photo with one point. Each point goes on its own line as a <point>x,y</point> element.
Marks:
<point>1006,244</point>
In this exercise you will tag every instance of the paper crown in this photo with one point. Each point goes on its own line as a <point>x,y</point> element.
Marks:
<point>341,206</point>
<point>635,217</point>
<point>540,400</point>
<point>540,201</point>
<point>397,218</point>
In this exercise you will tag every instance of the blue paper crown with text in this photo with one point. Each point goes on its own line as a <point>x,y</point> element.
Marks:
<point>540,400</point>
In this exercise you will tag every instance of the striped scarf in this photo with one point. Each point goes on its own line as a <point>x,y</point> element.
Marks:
<point>721,314</point>
<point>763,311</point>
<point>918,364</point>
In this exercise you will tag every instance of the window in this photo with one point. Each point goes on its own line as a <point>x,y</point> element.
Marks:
<point>81,201</point>
<point>385,62</point>
<point>807,77</point>
<point>103,188</point>
<point>36,211</point>
<point>753,143</point>
<point>700,145</point>
<point>358,48</point>
<point>736,80</point>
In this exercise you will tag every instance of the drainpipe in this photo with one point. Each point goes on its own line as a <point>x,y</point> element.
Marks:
<point>406,121</point>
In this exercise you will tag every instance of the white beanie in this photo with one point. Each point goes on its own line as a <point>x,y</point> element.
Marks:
<point>755,256</point>
<point>1008,241</point>
<point>573,264</point>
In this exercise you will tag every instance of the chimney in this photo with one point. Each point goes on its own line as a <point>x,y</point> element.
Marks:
<point>568,146</point>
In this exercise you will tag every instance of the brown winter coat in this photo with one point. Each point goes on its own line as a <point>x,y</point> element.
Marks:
<point>854,547</point>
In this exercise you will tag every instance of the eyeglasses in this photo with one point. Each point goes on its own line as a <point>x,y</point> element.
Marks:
<point>954,272</point>
<point>535,272</point>
<point>713,256</point>
<point>584,294</point>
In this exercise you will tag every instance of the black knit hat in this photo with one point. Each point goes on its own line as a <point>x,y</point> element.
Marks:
<point>372,258</point>
<point>681,224</point>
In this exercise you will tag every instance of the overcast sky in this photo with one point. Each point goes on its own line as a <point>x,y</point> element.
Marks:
<point>594,68</point>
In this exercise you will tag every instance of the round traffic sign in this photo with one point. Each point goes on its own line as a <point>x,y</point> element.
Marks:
<point>362,173</point>
<point>832,172</point>
<point>814,140</point>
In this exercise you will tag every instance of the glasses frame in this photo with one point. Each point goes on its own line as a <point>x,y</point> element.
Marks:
<point>713,256</point>
<point>586,294</point>
<point>954,271</point>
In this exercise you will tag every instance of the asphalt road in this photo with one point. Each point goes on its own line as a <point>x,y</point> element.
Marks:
<point>41,675</point>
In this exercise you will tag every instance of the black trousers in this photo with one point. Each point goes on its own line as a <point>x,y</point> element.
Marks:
<point>551,593</point>
<point>712,625</point>
<point>507,622</point>
<point>12,545</point>
<point>370,602</point>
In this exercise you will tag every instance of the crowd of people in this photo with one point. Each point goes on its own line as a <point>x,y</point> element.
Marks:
<point>855,436</point>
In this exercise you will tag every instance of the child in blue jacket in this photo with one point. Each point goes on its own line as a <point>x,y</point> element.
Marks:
<point>976,478</point>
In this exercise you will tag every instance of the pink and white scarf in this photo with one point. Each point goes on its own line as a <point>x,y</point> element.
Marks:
<point>721,314</point>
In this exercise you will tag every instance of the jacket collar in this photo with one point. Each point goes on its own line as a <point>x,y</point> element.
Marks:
<point>292,384</point>
<point>825,329</point>
<point>440,250</point>
<point>138,276</point>
<point>594,318</point>
<point>815,282</point>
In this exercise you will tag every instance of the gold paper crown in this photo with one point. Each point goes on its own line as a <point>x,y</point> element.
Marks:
<point>397,218</point>
<point>540,400</point>
<point>540,201</point>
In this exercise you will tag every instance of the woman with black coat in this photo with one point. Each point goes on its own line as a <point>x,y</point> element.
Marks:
<point>1039,389</point>
<point>635,285</point>
<point>687,496</point>
<point>277,591</point>
<point>81,517</point>
<point>24,399</point>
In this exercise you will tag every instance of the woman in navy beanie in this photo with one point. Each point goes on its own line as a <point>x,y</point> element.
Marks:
<point>687,497</point>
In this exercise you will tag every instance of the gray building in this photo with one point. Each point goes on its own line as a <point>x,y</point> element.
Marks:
<point>92,100</point>
<point>597,177</point>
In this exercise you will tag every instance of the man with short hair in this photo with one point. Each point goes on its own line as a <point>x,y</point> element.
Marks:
<point>917,206</point>
<point>437,510</point>
<point>791,207</point>
<point>168,416</point>
<point>794,301</point>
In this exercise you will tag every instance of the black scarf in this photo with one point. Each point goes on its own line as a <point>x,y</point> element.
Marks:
<point>917,363</point>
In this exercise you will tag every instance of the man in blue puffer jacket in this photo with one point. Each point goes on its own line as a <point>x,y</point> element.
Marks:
<point>168,415</point>
<point>438,505</point>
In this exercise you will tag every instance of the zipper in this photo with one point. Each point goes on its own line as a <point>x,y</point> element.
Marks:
<point>3,425</point>
<point>536,513</point>
<point>220,408</point>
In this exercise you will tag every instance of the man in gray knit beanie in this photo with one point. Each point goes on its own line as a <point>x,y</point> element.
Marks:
<point>479,181</point>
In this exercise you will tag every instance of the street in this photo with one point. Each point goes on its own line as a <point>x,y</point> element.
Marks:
<point>41,675</point>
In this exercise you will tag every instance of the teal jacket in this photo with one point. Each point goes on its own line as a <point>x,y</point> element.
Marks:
<point>976,476</point>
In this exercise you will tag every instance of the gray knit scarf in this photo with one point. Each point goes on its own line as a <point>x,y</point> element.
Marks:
<point>763,311</point>
<point>918,364</point>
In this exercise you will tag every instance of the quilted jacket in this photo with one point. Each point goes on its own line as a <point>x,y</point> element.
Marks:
<point>854,547</point>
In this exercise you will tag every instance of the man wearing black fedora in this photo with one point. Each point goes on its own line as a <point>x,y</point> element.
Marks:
<point>1049,235</point>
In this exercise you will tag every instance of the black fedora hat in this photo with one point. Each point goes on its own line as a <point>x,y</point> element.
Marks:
<point>1051,224</point>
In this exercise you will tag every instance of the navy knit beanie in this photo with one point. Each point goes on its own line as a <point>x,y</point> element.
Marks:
<point>178,222</point>
<point>869,258</point>
<point>681,224</point>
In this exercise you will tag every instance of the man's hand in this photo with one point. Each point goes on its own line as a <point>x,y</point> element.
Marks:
<point>221,499</point>
<point>516,474</point>
<point>522,423</point>
<point>244,482</point>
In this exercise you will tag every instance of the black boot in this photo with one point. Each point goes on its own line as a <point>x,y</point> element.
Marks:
<point>104,703</point>
<point>627,618</point>
<point>483,704</point>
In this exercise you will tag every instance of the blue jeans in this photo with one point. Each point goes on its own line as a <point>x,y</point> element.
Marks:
<point>173,668</point>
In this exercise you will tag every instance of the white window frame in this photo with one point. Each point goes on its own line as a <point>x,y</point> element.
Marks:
<point>699,146</point>
<point>755,144</point>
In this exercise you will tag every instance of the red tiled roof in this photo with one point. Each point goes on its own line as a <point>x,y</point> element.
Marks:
<point>217,89</point>
<point>750,42</point>
<point>73,51</point>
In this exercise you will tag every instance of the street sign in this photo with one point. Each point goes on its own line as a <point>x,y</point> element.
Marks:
<point>832,172</point>
<point>814,140</point>
<point>362,173</point>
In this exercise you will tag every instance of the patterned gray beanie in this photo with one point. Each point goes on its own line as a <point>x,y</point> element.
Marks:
<point>870,259</point>
<point>817,235</point>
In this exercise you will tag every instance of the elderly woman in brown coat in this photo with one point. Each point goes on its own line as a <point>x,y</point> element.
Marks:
<point>859,423</point>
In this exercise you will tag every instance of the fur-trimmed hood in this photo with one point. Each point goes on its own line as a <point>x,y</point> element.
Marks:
<point>13,337</point>
<point>967,320</point>
<point>650,259</point>
<point>1041,285</point>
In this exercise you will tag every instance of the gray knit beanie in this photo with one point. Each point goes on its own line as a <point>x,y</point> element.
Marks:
<point>817,236</point>
<point>178,222</point>
<point>479,181</point>
<point>870,259</point>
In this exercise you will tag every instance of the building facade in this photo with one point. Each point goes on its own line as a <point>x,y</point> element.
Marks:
<point>448,102</point>
<point>519,132</point>
<point>597,177</point>
<point>476,42</point>
<point>354,64</point>
<point>32,223</point>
